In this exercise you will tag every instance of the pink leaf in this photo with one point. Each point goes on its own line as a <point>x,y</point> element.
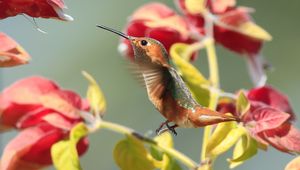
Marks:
<point>30,99</point>
<point>41,91</point>
<point>11,53</point>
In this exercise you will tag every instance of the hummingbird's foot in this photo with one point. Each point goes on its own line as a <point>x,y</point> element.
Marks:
<point>159,130</point>
<point>172,128</point>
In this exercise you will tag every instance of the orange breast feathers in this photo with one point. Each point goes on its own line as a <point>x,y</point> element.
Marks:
<point>157,56</point>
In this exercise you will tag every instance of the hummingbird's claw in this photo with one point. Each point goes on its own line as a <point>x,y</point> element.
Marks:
<point>159,130</point>
<point>172,129</point>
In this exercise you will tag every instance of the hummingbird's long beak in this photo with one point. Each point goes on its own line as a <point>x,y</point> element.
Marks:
<point>115,31</point>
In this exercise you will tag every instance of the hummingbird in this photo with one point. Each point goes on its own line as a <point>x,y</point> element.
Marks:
<point>165,87</point>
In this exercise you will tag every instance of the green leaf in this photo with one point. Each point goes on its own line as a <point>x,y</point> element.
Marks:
<point>245,148</point>
<point>166,162</point>
<point>193,78</point>
<point>242,103</point>
<point>64,153</point>
<point>232,137</point>
<point>95,95</point>
<point>130,153</point>
<point>219,134</point>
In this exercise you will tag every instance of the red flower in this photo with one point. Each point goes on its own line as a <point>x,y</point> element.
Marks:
<point>233,28</point>
<point>215,6</point>
<point>270,96</point>
<point>44,114</point>
<point>30,149</point>
<point>269,119</point>
<point>220,6</point>
<point>231,24</point>
<point>155,20</point>
<point>31,96</point>
<point>11,53</point>
<point>277,130</point>
<point>34,8</point>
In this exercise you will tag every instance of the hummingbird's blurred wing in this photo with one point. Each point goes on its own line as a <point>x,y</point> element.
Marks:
<point>156,82</point>
<point>154,77</point>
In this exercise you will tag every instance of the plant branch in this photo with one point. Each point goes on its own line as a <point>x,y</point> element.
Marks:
<point>215,84</point>
<point>128,131</point>
<point>213,64</point>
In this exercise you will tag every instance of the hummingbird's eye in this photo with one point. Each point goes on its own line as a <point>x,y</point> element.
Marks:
<point>144,42</point>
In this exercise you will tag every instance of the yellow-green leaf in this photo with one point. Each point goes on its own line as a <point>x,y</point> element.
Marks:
<point>130,153</point>
<point>219,134</point>
<point>250,29</point>
<point>294,164</point>
<point>193,78</point>
<point>232,137</point>
<point>255,31</point>
<point>242,103</point>
<point>170,163</point>
<point>245,148</point>
<point>262,146</point>
<point>64,153</point>
<point>195,6</point>
<point>95,95</point>
<point>166,162</point>
<point>165,139</point>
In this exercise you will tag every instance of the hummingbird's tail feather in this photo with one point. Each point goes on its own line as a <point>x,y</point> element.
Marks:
<point>204,116</point>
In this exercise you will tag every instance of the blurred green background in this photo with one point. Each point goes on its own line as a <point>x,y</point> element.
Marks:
<point>70,47</point>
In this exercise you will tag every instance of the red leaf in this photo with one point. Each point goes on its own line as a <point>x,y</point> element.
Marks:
<point>31,148</point>
<point>237,42</point>
<point>227,35</point>
<point>215,6</point>
<point>13,113</point>
<point>168,37</point>
<point>158,21</point>
<point>40,115</point>
<point>271,97</point>
<point>220,6</point>
<point>41,91</point>
<point>34,8</point>
<point>230,26</point>
<point>285,138</point>
<point>265,118</point>
<point>225,106</point>
<point>152,10</point>
<point>11,53</point>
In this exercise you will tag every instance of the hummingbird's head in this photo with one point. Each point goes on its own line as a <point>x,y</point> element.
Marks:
<point>146,49</point>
